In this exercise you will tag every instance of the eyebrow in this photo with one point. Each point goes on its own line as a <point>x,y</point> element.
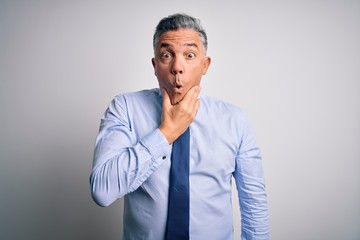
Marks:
<point>168,45</point>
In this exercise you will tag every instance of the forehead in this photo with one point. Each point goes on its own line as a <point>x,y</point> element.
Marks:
<point>180,37</point>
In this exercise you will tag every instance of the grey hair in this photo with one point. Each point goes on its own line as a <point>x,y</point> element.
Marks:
<point>178,21</point>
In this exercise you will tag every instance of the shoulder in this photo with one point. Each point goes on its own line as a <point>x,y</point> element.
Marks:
<point>121,103</point>
<point>138,95</point>
<point>144,97</point>
<point>225,114</point>
<point>217,106</point>
<point>226,118</point>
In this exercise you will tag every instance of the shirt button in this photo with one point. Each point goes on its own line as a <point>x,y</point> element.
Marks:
<point>164,157</point>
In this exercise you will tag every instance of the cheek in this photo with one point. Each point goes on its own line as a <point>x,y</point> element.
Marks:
<point>163,82</point>
<point>160,70</point>
<point>198,72</point>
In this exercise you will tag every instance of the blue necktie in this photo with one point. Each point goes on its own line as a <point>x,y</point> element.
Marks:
<point>178,208</point>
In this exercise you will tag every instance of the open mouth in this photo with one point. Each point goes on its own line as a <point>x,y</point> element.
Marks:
<point>177,82</point>
<point>177,89</point>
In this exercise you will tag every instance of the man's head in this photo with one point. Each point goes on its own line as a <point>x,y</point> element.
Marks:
<point>180,60</point>
<point>178,21</point>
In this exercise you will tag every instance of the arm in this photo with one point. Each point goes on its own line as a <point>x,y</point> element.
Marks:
<point>251,189</point>
<point>121,162</point>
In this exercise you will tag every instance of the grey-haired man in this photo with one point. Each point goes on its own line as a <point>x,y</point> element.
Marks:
<point>133,149</point>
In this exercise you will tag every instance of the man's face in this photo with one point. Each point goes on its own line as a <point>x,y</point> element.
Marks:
<point>179,62</point>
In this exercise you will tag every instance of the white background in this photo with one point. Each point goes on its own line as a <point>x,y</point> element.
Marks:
<point>293,66</point>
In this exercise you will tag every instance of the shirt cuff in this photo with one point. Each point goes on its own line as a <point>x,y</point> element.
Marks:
<point>157,145</point>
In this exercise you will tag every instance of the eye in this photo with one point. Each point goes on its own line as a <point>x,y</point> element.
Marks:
<point>166,55</point>
<point>190,55</point>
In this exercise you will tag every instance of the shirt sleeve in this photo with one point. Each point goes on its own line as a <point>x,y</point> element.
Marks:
<point>121,161</point>
<point>250,185</point>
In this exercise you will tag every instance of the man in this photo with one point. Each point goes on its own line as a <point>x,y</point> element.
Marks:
<point>134,150</point>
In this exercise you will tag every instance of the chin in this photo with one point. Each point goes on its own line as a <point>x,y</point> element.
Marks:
<point>176,99</point>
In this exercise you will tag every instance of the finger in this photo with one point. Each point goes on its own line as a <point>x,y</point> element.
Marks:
<point>197,93</point>
<point>197,104</point>
<point>193,109</point>
<point>166,98</point>
<point>192,95</point>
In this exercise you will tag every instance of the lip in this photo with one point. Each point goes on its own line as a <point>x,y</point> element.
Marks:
<point>177,89</point>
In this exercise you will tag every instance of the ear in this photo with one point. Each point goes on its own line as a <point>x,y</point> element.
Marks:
<point>207,62</point>
<point>154,64</point>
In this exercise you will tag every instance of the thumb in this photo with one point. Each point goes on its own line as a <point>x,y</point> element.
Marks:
<point>166,98</point>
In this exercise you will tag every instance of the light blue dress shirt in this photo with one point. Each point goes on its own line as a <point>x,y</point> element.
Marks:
<point>132,160</point>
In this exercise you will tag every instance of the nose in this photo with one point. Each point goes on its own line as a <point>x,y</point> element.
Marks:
<point>177,66</point>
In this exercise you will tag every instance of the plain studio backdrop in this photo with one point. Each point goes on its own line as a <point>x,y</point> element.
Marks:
<point>293,66</point>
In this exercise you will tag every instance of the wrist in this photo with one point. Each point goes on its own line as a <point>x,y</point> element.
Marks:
<point>168,134</point>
